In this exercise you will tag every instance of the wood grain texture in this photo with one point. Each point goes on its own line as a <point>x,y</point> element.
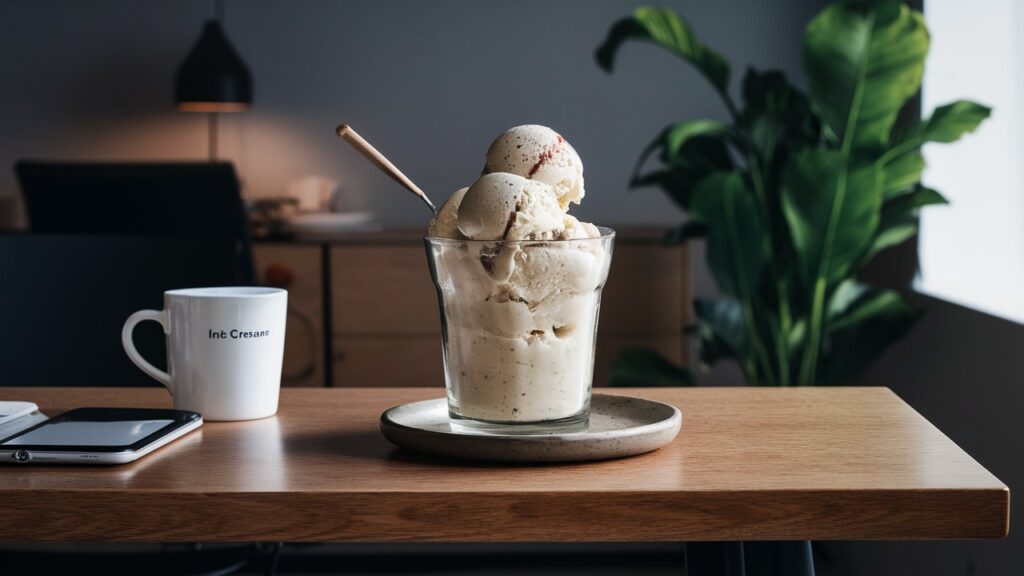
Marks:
<point>383,289</point>
<point>388,361</point>
<point>304,343</point>
<point>749,464</point>
<point>646,290</point>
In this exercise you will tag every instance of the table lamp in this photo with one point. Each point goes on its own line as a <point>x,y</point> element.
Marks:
<point>213,78</point>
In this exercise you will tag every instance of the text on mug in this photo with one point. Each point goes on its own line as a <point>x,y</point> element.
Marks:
<point>236,334</point>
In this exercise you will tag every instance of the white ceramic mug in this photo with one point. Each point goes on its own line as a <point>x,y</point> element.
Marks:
<point>224,349</point>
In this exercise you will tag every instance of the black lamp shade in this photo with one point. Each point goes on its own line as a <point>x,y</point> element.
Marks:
<point>213,77</point>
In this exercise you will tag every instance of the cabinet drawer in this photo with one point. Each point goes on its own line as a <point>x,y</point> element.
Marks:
<point>396,361</point>
<point>304,337</point>
<point>387,289</point>
<point>416,361</point>
<point>672,347</point>
<point>648,290</point>
<point>382,289</point>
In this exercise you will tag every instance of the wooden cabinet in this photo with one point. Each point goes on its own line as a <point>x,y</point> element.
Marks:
<point>388,360</point>
<point>299,269</point>
<point>382,290</point>
<point>380,307</point>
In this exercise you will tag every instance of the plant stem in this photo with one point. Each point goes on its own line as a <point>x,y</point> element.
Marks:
<point>745,297</point>
<point>749,370</point>
<point>779,333</point>
<point>730,106</point>
<point>755,338</point>
<point>809,367</point>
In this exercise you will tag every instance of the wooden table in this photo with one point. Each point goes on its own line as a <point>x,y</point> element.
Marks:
<point>749,464</point>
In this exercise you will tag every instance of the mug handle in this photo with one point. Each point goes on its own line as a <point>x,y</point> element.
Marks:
<point>133,354</point>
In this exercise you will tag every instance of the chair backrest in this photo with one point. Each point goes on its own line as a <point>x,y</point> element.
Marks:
<point>63,300</point>
<point>138,199</point>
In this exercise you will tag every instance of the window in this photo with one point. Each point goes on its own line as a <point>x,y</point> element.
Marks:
<point>972,251</point>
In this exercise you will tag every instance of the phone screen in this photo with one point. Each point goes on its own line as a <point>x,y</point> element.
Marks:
<point>82,433</point>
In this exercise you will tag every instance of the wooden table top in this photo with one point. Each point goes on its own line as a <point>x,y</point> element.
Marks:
<point>748,464</point>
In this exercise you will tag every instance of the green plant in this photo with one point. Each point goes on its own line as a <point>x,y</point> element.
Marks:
<point>798,191</point>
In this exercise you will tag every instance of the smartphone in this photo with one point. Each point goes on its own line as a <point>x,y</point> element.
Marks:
<point>98,436</point>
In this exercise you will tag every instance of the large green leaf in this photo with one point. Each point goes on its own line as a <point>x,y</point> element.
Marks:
<point>902,174</point>
<point>682,132</point>
<point>862,328</point>
<point>776,120</point>
<point>907,204</point>
<point>948,123</point>
<point>863,61</point>
<point>671,141</point>
<point>853,303</point>
<point>735,239</point>
<point>844,296</point>
<point>892,235</point>
<point>641,367</point>
<point>775,114</point>
<point>720,331</point>
<point>832,211</point>
<point>899,220</point>
<point>664,28</point>
<point>903,162</point>
<point>688,151</point>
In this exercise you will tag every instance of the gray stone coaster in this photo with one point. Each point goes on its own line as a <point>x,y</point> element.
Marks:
<point>619,426</point>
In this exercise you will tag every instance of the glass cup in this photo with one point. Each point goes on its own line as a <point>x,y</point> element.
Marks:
<point>518,328</point>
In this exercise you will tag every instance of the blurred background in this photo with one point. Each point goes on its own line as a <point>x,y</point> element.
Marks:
<point>431,83</point>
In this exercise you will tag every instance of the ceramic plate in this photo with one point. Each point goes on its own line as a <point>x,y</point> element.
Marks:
<point>619,426</point>
<point>328,222</point>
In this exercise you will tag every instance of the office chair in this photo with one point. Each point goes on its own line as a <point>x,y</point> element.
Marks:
<point>63,301</point>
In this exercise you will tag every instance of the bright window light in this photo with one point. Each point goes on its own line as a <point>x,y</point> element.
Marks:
<point>972,251</point>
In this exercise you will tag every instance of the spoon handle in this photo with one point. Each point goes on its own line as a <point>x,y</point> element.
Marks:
<point>346,133</point>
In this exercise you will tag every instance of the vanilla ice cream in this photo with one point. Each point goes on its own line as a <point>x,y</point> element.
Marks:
<point>446,223</point>
<point>519,281</point>
<point>502,206</point>
<point>539,153</point>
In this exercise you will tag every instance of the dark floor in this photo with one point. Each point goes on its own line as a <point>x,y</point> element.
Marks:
<point>347,559</point>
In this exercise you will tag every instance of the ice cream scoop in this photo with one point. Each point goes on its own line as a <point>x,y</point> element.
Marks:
<point>502,206</point>
<point>539,153</point>
<point>446,223</point>
<point>574,229</point>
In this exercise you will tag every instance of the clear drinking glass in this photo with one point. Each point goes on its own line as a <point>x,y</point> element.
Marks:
<point>518,326</point>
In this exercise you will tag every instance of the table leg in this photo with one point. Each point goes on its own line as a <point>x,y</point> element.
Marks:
<point>749,559</point>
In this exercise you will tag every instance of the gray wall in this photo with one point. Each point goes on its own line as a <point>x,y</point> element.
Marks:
<point>430,82</point>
